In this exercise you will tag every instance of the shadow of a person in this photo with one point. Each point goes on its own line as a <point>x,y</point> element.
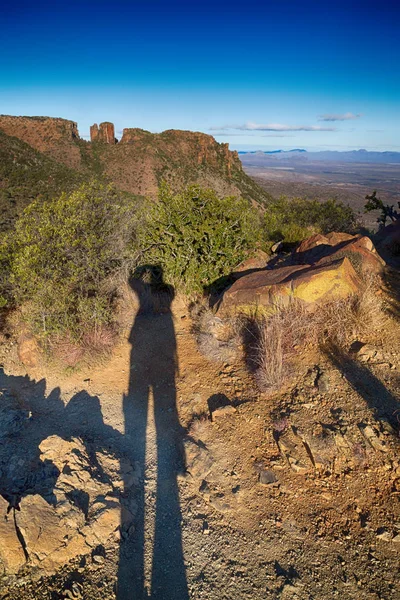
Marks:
<point>153,367</point>
<point>28,416</point>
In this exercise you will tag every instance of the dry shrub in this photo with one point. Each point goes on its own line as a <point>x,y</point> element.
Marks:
<point>342,320</point>
<point>276,341</point>
<point>99,341</point>
<point>218,339</point>
<point>94,345</point>
<point>272,344</point>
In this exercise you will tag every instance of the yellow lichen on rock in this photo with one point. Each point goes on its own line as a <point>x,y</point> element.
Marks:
<point>336,280</point>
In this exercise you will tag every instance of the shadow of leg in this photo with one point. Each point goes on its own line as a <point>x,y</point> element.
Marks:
<point>168,572</point>
<point>131,559</point>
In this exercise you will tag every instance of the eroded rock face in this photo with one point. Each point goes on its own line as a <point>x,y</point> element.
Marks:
<point>37,130</point>
<point>58,497</point>
<point>197,148</point>
<point>104,132</point>
<point>53,136</point>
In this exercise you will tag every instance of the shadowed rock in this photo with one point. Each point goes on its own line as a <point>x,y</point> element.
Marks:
<point>323,249</point>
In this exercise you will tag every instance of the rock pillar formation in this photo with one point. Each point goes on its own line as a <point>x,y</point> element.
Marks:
<point>103,133</point>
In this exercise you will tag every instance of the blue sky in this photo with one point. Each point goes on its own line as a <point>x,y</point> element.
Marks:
<point>255,74</point>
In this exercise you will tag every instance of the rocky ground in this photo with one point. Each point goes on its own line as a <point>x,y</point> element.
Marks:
<point>292,495</point>
<point>165,473</point>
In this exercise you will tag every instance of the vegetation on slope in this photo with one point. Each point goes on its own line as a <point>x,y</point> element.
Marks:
<point>64,257</point>
<point>71,237</point>
<point>27,174</point>
<point>295,219</point>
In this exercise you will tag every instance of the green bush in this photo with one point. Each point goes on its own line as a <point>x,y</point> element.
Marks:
<point>386,211</point>
<point>197,237</point>
<point>64,253</point>
<point>294,219</point>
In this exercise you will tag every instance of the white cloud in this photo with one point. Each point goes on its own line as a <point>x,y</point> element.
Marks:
<point>225,134</point>
<point>273,127</point>
<point>333,117</point>
<point>271,135</point>
<point>278,135</point>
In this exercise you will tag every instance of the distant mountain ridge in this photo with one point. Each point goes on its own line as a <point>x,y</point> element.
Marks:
<point>297,154</point>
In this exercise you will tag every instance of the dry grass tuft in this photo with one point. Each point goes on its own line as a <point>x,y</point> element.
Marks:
<point>199,425</point>
<point>341,321</point>
<point>272,344</point>
<point>276,341</point>
<point>218,339</point>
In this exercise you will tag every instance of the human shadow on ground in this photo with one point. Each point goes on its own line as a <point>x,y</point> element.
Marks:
<point>378,398</point>
<point>153,368</point>
<point>28,417</point>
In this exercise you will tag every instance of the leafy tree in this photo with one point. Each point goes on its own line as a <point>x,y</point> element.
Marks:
<point>64,252</point>
<point>387,212</point>
<point>196,237</point>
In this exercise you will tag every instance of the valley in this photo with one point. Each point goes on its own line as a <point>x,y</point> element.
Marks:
<point>349,182</point>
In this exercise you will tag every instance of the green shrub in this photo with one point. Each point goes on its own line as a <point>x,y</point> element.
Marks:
<point>63,254</point>
<point>196,237</point>
<point>386,211</point>
<point>294,219</point>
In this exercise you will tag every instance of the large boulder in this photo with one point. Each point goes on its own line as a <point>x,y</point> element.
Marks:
<point>28,350</point>
<point>277,287</point>
<point>323,249</point>
<point>318,239</point>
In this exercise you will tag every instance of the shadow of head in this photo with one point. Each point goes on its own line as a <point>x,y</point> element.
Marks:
<point>154,295</point>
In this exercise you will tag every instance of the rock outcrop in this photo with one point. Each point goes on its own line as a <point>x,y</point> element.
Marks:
<point>104,132</point>
<point>323,249</point>
<point>141,160</point>
<point>269,288</point>
<point>323,268</point>
<point>202,149</point>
